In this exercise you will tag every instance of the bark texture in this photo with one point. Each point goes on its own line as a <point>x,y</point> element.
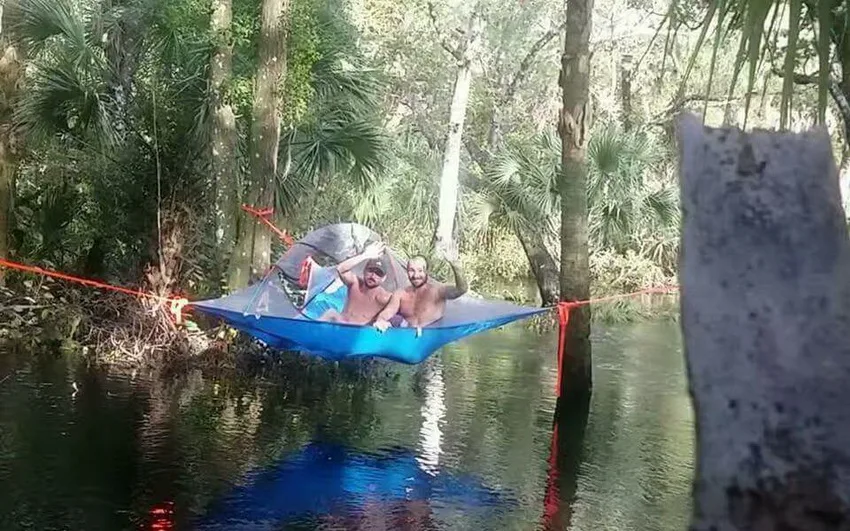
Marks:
<point>573,127</point>
<point>223,134</point>
<point>252,256</point>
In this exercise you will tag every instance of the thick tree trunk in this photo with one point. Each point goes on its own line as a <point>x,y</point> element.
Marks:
<point>454,141</point>
<point>8,168</point>
<point>573,127</point>
<point>253,250</point>
<point>542,265</point>
<point>11,78</point>
<point>223,134</point>
<point>765,277</point>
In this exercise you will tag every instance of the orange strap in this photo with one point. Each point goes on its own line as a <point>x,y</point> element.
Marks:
<point>563,322</point>
<point>564,308</point>
<point>262,215</point>
<point>176,304</point>
<point>304,274</point>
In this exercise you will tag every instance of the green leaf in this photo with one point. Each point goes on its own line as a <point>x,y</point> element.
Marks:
<point>796,6</point>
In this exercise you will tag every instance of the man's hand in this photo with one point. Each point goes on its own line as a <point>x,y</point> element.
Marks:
<point>450,254</point>
<point>382,325</point>
<point>374,250</point>
<point>447,251</point>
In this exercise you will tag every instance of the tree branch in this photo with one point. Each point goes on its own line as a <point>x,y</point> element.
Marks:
<point>528,60</point>
<point>444,40</point>
<point>678,104</point>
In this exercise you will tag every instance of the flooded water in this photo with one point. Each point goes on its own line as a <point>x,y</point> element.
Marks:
<point>463,441</point>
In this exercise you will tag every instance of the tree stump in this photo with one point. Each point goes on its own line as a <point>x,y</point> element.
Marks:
<point>765,283</point>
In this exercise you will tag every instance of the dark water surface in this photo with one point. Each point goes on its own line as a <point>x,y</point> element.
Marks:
<point>463,441</point>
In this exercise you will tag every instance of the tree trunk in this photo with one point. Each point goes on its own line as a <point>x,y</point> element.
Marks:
<point>252,256</point>
<point>542,265</point>
<point>11,79</point>
<point>626,91</point>
<point>457,117</point>
<point>223,136</point>
<point>765,278</point>
<point>573,127</point>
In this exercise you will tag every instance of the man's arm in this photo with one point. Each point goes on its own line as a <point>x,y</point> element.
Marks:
<point>374,250</point>
<point>391,308</point>
<point>453,292</point>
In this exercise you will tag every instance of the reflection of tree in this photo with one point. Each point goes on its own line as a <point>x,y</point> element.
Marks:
<point>564,459</point>
<point>433,411</point>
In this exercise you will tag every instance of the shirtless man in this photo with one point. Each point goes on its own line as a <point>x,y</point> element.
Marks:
<point>366,297</point>
<point>421,303</point>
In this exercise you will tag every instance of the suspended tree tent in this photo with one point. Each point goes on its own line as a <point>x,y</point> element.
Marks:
<point>281,313</point>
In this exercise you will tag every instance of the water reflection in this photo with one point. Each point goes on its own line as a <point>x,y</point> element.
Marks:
<point>433,411</point>
<point>335,484</point>
<point>471,425</point>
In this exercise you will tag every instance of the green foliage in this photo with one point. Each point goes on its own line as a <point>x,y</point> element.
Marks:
<point>303,52</point>
<point>519,190</point>
<point>812,27</point>
<point>626,205</point>
<point>338,135</point>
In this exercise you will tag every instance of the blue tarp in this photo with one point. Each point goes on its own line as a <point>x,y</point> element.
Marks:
<point>266,310</point>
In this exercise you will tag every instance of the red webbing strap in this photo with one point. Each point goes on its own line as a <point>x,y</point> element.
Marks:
<point>262,215</point>
<point>176,304</point>
<point>304,274</point>
<point>551,500</point>
<point>564,318</point>
<point>563,322</point>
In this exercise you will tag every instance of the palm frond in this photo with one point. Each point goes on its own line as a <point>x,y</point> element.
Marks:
<point>37,21</point>
<point>663,205</point>
<point>338,143</point>
<point>63,99</point>
<point>757,22</point>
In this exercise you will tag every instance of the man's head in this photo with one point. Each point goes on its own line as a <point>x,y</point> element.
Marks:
<point>417,271</point>
<point>374,273</point>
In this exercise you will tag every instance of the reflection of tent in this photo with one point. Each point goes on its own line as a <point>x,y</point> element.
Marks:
<point>331,480</point>
<point>268,310</point>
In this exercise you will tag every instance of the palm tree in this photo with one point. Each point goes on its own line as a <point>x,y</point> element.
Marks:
<point>784,31</point>
<point>628,208</point>
<point>575,260</point>
<point>339,138</point>
<point>97,85</point>
<point>518,192</point>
